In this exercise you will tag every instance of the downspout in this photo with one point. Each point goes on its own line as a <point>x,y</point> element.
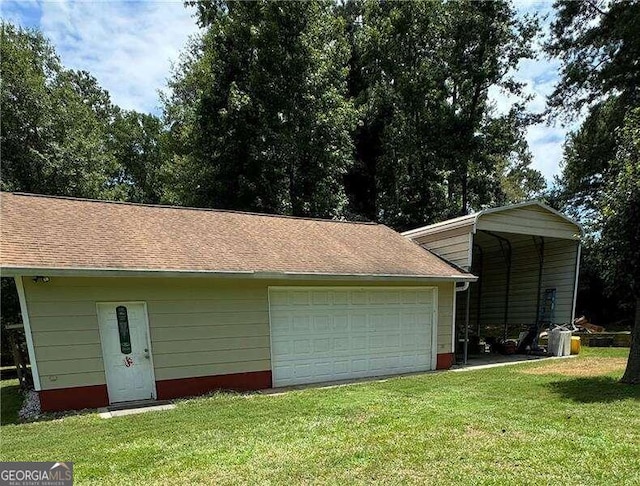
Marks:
<point>463,288</point>
<point>465,345</point>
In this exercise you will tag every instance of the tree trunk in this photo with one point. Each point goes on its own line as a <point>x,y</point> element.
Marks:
<point>465,190</point>
<point>632,373</point>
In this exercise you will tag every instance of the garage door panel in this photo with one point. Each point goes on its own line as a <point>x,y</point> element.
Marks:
<point>324,335</point>
<point>300,297</point>
<point>320,298</point>
<point>409,297</point>
<point>300,324</point>
<point>302,346</point>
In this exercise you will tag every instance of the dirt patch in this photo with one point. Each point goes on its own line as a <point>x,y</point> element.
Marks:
<point>579,367</point>
<point>471,431</point>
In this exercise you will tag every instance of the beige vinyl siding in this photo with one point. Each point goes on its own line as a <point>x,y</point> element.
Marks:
<point>529,220</point>
<point>558,272</point>
<point>198,326</point>
<point>452,245</point>
<point>445,317</point>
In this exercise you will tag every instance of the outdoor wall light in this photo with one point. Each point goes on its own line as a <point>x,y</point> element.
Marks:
<point>40,279</point>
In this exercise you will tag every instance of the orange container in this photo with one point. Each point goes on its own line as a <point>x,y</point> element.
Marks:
<point>575,344</point>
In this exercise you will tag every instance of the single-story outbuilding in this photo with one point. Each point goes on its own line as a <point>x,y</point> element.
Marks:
<point>527,258</point>
<point>124,302</point>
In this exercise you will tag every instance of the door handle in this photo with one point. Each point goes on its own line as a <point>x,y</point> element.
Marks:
<point>146,353</point>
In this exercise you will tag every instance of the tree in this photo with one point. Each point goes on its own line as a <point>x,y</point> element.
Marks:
<point>618,225</point>
<point>139,143</point>
<point>429,145</point>
<point>53,121</point>
<point>598,44</point>
<point>588,153</point>
<point>258,109</point>
<point>61,134</point>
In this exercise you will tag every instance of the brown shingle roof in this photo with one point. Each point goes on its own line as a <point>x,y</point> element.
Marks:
<point>64,233</point>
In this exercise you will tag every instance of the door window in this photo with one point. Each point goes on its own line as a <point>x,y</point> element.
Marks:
<point>123,329</point>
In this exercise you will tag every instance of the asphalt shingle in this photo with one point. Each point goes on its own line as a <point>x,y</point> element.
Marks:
<point>64,233</point>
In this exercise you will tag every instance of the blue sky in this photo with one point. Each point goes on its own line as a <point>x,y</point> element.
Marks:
<point>129,46</point>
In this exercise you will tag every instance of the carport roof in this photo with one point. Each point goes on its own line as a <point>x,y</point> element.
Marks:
<point>565,227</point>
<point>59,235</point>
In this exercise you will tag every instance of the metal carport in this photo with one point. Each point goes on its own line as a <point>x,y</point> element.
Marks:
<point>527,258</point>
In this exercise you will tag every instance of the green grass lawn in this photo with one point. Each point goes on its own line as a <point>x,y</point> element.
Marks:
<point>517,424</point>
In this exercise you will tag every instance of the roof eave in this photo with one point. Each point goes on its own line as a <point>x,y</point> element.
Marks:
<point>449,224</point>
<point>12,271</point>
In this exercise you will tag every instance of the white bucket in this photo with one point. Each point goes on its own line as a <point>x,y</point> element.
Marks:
<point>559,342</point>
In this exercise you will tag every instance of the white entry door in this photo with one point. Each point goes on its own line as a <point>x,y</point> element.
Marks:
<point>126,351</point>
<point>326,334</point>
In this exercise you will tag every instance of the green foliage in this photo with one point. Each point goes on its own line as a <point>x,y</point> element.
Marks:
<point>599,46</point>
<point>618,223</point>
<point>259,109</point>
<point>61,134</point>
<point>9,314</point>
<point>366,109</point>
<point>10,401</point>
<point>588,153</point>
<point>139,143</point>
<point>596,42</point>
<point>428,145</point>
<point>262,109</point>
<point>52,132</point>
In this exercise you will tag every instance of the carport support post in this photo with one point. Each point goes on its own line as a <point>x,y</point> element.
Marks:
<point>465,346</point>
<point>506,297</point>
<point>540,250</point>
<point>479,283</point>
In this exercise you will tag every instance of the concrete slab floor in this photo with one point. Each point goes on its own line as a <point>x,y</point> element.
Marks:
<point>493,361</point>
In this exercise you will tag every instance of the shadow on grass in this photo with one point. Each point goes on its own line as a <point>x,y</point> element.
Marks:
<point>597,389</point>
<point>10,402</point>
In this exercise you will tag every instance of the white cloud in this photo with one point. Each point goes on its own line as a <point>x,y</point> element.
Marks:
<point>546,144</point>
<point>539,78</point>
<point>128,46</point>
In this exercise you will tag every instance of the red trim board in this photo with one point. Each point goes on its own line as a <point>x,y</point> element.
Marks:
<point>96,396</point>
<point>185,387</point>
<point>444,361</point>
<point>73,398</point>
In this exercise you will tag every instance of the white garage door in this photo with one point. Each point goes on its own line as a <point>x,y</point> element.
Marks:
<point>320,334</point>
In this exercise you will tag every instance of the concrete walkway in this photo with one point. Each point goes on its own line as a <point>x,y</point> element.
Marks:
<point>133,410</point>
<point>494,361</point>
